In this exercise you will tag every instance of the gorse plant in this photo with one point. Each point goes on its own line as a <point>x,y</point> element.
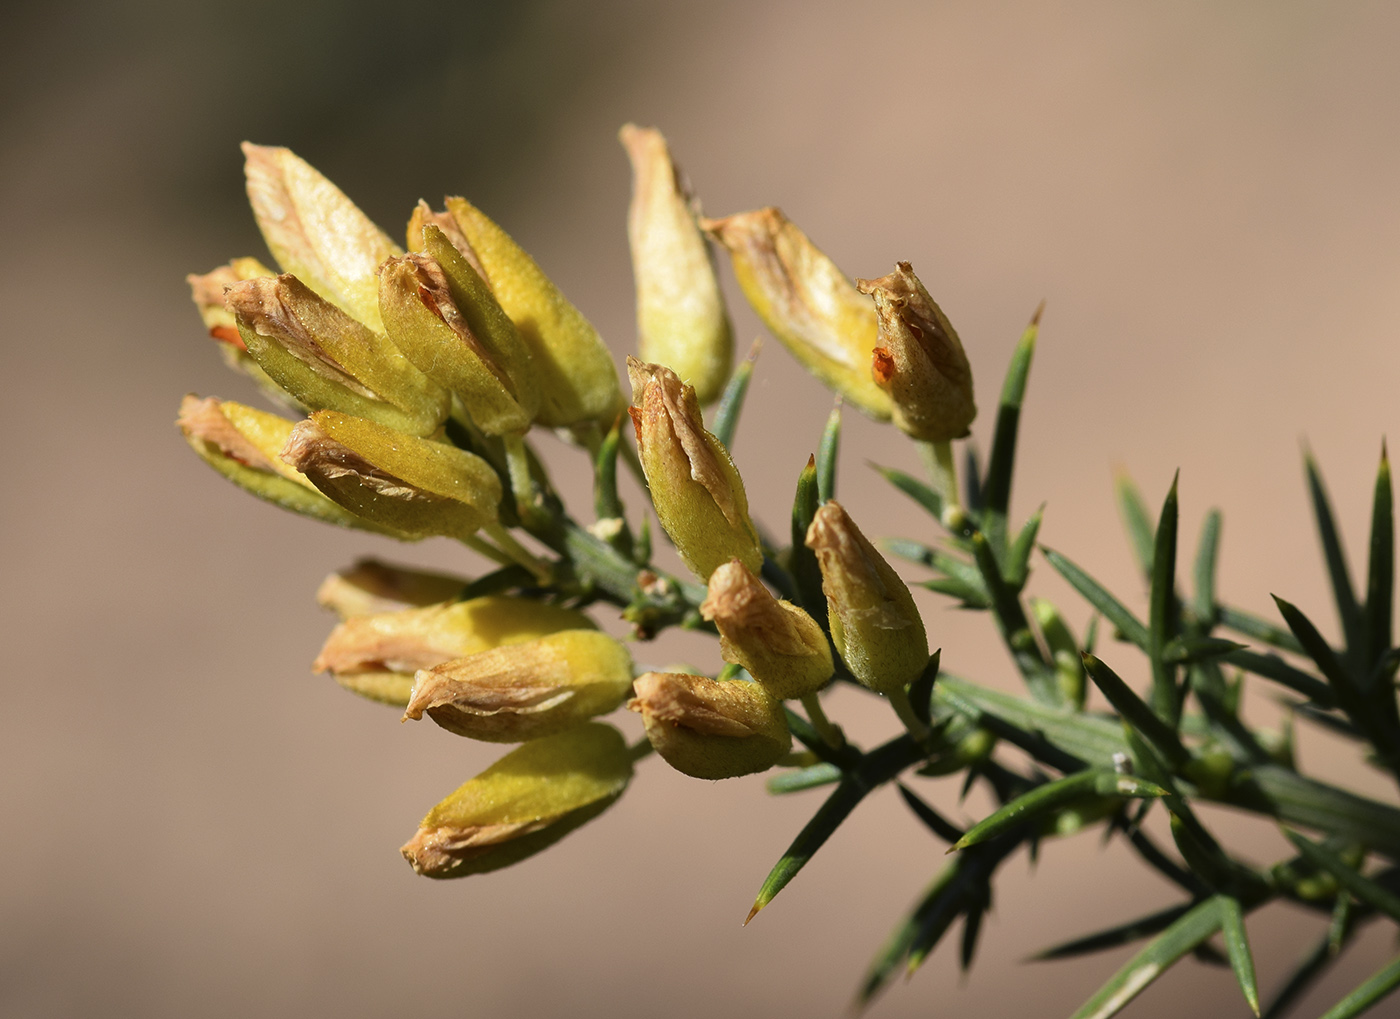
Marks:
<point>418,375</point>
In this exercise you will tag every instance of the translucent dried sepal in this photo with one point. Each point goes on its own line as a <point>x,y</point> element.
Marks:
<point>315,232</point>
<point>243,443</point>
<point>709,729</point>
<point>681,319</point>
<point>806,301</point>
<point>525,690</point>
<point>919,359</point>
<point>780,645</point>
<point>695,487</point>
<point>577,378</point>
<point>399,481</point>
<point>423,216</point>
<point>874,623</point>
<point>522,804</point>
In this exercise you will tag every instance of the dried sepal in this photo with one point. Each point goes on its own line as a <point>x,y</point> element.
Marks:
<point>681,319</point>
<point>806,301</point>
<point>399,481</point>
<point>443,317</point>
<point>243,443</point>
<point>376,655</point>
<point>695,487</point>
<point>780,645</point>
<point>875,624</point>
<point>525,690</point>
<point>710,729</point>
<point>576,375</point>
<point>424,216</point>
<point>522,804</point>
<point>315,232</point>
<point>919,359</point>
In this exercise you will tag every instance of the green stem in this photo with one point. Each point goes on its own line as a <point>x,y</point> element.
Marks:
<point>488,550</point>
<point>943,472</point>
<point>826,729</point>
<point>522,483</point>
<point>904,708</point>
<point>518,553</point>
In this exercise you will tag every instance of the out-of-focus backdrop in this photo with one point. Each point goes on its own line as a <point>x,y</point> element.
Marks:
<point>194,825</point>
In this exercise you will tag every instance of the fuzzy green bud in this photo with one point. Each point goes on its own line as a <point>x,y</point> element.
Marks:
<point>522,804</point>
<point>244,445</point>
<point>315,232</point>
<point>875,625</point>
<point>681,319</point>
<point>410,485</point>
<point>779,644</point>
<point>525,690</point>
<point>695,487</point>
<point>710,729</point>
<point>919,359</point>
<point>577,378</point>
<point>441,314</point>
<point>329,361</point>
<point>376,655</point>
<point>806,301</point>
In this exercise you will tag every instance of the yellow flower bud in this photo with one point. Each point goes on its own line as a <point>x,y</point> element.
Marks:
<point>371,586</point>
<point>779,644</point>
<point>441,314</point>
<point>708,729</point>
<point>315,232</point>
<point>874,623</point>
<point>681,320</point>
<point>695,488</point>
<point>577,378</point>
<point>526,690</point>
<point>524,803</point>
<point>376,655</point>
<point>243,444</point>
<point>919,360</point>
<point>328,361</point>
<point>412,485</point>
<point>806,301</point>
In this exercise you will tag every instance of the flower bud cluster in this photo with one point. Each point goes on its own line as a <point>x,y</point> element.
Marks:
<point>416,372</point>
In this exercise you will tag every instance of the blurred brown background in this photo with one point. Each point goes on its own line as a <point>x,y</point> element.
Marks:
<point>193,825</point>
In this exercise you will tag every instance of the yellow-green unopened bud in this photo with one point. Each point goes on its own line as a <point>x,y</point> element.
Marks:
<point>525,690</point>
<point>919,360</point>
<point>243,444</point>
<point>329,361</point>
<point>371,586</point>
<point>681,320</point>
<point>399,481</point>
<point>874,623</point>
<point>708,729</point>
<point>806,301</point>
<point>441,314</point>
<point>577,378</point>
<point>376,655</point>
<point>779,644</point>
<point>524,803</point>
<point>695,487</point>
<point>315,232</point>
